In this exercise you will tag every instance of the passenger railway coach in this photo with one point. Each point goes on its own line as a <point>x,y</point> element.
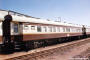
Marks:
<point>22,32</point>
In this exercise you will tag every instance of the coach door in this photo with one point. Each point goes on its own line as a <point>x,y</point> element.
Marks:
<point>17,31</point>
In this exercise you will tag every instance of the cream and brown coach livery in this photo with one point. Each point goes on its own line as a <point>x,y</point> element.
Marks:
<point>23,32</point>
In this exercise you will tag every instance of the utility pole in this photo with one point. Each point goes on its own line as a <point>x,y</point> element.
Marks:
<point>59,19</point>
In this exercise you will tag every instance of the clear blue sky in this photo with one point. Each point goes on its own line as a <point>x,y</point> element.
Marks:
<point>73,11</point>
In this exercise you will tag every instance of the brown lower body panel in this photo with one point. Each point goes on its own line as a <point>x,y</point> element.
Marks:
<point>27,37</point>
<point>0,39</point>
<point>88,33</point>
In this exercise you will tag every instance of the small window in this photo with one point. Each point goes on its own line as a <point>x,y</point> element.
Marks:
<point>16,28</point>
<point>58,29</point>
<point>68,29</point>
<point>32,27</point>
<point>78,30</point>
<point>45,29</point>
<point>54,29</point>
<point>50,29</point>
<point>63,29</point>
<point>26,27</point>
<point>38,28</point>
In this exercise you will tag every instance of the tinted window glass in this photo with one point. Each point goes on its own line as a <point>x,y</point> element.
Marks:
<point>38,28</point>
<point>32,27</point>
<point>54,29</point>
<point>26,27</point>
<point>45,29</point>
<point>15,28</point>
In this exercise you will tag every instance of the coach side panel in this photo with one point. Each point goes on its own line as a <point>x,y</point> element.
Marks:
<point>42,31</point>
<point>87,30</point>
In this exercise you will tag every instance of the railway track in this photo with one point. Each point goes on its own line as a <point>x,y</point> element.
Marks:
<point>43,52</point>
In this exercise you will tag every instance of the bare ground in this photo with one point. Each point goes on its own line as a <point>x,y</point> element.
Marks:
<point>79,53</point>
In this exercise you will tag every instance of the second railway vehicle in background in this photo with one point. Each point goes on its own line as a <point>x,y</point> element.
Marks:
<point>23,32</point>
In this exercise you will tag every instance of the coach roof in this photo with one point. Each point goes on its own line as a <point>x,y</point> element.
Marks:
<point>18,17</point>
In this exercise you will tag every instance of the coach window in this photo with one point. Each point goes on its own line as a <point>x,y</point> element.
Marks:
<point>63,29</point>
<point>68,29</point>
<point>16,28</point>
<point>32,27</point>
<point>45,29</point>
<point>50,29</point>
<point>26,27</point>
<point>58,29</point>
<point>54,29</point>
<point>78,30</point>
<point>38,28</point>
